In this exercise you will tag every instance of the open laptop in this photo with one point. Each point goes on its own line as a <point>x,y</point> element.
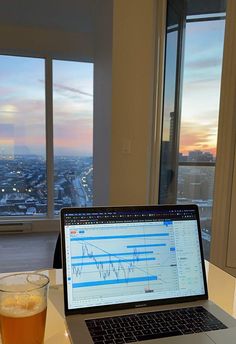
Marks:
<point>136,274</point>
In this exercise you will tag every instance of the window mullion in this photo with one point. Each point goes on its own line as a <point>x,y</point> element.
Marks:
<point>49,136</point>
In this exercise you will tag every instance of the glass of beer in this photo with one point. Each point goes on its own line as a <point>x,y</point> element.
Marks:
<point>23,307</point>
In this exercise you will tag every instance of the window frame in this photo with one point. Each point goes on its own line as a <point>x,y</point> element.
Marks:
<point>87,44</point>
<point>50,221</point>
<point>158,93</point>
<point>223,218</point>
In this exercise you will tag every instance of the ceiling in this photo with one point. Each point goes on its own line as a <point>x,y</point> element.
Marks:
<point>66,15</point>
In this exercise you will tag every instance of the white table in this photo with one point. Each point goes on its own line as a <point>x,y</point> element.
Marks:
<point>221,287</point>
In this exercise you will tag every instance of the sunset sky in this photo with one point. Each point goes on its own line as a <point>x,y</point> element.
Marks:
<point>201,85</point>
<point>22,98</point>
<point>73,107</point>
<point>22,106</point>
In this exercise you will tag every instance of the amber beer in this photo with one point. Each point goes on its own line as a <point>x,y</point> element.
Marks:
<point>23,314</point>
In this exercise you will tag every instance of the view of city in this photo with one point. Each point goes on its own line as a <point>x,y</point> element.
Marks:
<point>196,185</point>
<point>73,182</point>
<point>23,186</point>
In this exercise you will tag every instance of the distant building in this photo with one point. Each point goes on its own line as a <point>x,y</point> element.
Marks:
<point>198,155</point>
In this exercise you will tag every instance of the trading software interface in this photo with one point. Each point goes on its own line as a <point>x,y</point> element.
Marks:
<point>133,256</point>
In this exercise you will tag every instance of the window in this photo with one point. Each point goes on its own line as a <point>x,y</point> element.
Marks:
<point>194,51</point>
<point>73,134</point>
<point>26,132</point>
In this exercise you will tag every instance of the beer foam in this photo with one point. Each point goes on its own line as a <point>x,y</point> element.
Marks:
<point>22,305</point>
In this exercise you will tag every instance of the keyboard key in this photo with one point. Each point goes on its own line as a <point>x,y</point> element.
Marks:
<point>119,341</point>
<point>154,325</point>
<point>130,340</point>
<point>158,335</point>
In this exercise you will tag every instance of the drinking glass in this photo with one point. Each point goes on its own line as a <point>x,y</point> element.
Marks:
<point>23,307</point>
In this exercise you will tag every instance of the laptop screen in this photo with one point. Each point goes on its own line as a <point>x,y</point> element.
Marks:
<point>131,255</point>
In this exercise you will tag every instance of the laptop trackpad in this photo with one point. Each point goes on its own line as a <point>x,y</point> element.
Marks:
<point>198,338</point>
<point>223,336</point>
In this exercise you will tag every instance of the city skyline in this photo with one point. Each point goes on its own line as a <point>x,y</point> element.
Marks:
<point>24,186</point>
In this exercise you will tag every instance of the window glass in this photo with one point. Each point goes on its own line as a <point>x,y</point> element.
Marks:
<point>23,188</point>
<point>169,105</point>
<point>73,134</point>
<point>201,89</point>
<point>195,121</point>
<point>199,118</point>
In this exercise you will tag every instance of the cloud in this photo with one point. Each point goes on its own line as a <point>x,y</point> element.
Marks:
<point>71,89</point>
<point>200,81</point>
<point>203,63</point>
<point>67,90</point>
<point>205,27</point>
<point>198,136</point>
<point>5,91</point>
<point>200,102</point>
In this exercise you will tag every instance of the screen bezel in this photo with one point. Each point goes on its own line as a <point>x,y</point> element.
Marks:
<point>137,303</point>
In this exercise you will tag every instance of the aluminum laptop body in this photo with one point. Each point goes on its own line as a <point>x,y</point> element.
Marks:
<point>134,260</point>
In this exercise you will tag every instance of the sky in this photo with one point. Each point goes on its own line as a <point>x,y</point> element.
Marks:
<point>201,85</point>
<point>22,106</point>
<point>22,97</point>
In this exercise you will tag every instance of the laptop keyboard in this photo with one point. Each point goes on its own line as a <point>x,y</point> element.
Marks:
<point>145,326</point>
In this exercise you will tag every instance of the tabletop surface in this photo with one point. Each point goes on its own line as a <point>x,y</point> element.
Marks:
<point>221,288</point>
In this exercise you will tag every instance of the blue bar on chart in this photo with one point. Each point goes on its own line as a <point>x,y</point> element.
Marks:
<point>120,236</point>
<point>115,281</point>
<point>112,254</point>
<point>146,245</point>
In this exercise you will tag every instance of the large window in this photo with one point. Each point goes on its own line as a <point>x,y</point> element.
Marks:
<point>73,133</point>
<point>34,125</point>
<point>194,51</point>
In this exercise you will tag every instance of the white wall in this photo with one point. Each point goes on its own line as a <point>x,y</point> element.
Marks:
<point>33,41</point>
<point>102,101</point>
<point>132,99</point>
<point>223,253</point>
<point>63,28</point>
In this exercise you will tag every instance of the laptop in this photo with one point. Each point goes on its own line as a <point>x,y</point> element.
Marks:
<point>136,274</point>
